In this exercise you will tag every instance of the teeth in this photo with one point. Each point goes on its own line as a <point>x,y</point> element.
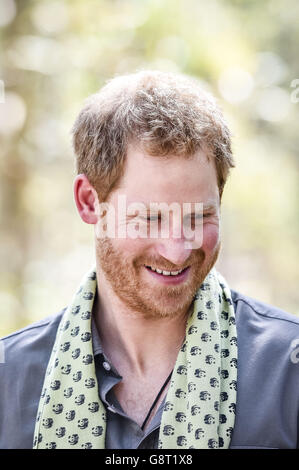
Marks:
<point>166,273</point>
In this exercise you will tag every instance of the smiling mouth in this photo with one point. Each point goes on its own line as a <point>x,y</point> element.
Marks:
<point>166,273</point>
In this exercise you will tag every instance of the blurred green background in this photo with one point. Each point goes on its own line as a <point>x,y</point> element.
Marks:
<point>55,53</point>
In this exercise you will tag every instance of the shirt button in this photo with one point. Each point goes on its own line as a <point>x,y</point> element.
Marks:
<point>106,365</point>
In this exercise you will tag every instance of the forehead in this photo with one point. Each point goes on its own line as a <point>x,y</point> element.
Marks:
<point>167,179</point>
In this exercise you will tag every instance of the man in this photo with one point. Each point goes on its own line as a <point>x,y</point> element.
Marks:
<point>154,350</point>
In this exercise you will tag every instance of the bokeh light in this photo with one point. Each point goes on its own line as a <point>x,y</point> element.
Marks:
<point>50,17</point>
<point>273,104</point>
<point>235,84</point>
<point>12,113</point>
<point>7,12</point>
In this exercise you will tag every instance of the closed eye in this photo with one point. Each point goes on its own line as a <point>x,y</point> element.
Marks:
<point>152,218</point>
<point>199,216</point>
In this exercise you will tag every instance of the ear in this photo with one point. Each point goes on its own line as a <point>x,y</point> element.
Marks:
<point>85,198</point>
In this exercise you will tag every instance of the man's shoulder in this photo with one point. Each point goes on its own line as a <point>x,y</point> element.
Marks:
<point>24,357</point>
<point>35,337</point>
<point>268,379</point>
<point>259,323</point>
<point>249,305</point>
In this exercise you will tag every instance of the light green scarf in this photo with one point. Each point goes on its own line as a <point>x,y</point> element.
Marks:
<point>199,410</point>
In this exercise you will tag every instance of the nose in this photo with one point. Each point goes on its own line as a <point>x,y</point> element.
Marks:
<point>175,251</point>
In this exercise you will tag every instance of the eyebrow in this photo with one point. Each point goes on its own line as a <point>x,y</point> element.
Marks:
<point>206,207</point>
<point>209,207</point>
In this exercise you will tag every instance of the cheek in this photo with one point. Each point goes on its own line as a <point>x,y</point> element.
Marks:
<point>130,248</point>
<point>210,237</point>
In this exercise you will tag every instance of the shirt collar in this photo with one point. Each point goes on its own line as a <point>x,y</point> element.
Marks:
<point>96,342</point>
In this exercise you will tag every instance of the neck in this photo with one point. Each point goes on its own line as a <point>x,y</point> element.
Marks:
<point>134,343</point>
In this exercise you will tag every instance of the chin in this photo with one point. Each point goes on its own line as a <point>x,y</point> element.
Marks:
<point>170,301</point>
<point>167,302</point>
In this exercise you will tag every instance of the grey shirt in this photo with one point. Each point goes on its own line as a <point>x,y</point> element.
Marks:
<point>122,431</point>
<point>267,408</point>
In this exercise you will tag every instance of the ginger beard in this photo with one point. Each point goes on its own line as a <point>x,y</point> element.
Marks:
<point>152,300</point>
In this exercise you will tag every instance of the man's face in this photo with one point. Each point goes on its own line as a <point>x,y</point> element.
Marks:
<point>125,262</point>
